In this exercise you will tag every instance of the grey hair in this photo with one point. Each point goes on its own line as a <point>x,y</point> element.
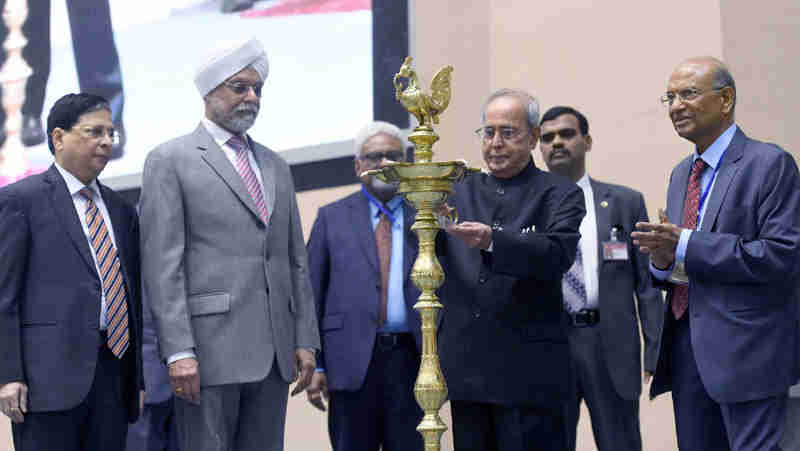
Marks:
<point>528,101</point>
<point>722,79</point>
<point>375,128</point>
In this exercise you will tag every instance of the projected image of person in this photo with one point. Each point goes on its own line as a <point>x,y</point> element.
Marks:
<point>96,61</point>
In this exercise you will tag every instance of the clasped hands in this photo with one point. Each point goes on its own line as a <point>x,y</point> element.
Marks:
<point>658,240</point>
<point>184,375</point>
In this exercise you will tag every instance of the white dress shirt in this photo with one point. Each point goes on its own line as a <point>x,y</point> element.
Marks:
<point>588,244</point>
<point>74,186</point>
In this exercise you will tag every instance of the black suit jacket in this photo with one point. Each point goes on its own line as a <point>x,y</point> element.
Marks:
<point>343,265</point>
<point>619,280</point>
<point>50,294</point>
<point>503,334</point>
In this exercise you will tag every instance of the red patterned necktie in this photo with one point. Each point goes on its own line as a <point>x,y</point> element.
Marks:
<point>239,145</point>
<point>383,238</point>
<point>111,275</point>
<point>680,293</point>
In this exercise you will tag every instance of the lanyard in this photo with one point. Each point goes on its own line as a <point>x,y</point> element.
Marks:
<point>707,190</point>
<point>378,204</point>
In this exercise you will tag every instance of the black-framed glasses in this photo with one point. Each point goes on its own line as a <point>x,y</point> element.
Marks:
<point>240,88</point>
<point>685,95</point>
<point>391,155</point>
<point>507,133</point>
<point>565,134</point>
<point>98,133</point>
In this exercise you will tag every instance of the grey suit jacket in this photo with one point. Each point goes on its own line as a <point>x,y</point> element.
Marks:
<point>622,207</point>
<point>218,278</point>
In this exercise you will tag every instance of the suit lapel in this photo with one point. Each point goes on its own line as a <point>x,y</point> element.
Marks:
<point>363,227</point>
<point>680,183</point>
<point>118,224</point>
<point>601,193</point>
<point>64,207</point>
<point>729,166</point>
<point>121,229</point>
<point>267,168</point>
<point>215,157</point>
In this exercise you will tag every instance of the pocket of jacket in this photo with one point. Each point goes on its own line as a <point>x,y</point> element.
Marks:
<point>209,304</point>
<point>333,322</point>
<point>36,323</point>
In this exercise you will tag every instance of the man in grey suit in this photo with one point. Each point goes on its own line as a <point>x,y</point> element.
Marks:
<point>599,292</point>
<point>225,267</point>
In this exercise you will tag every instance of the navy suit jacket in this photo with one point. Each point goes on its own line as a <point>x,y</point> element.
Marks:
<point>343,265</point>
<point>742,266</point>
<point>50,294</point>
<point>621,207</point>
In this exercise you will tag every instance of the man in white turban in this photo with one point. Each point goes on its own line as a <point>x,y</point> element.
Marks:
<point>225,266</point>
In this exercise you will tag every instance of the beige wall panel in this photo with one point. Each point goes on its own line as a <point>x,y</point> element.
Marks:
<point>760,44</point>
<point>611,60</point>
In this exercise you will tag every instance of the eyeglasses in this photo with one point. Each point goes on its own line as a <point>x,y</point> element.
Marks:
<point>507,133</point>
<point>377,157</point>
<point>686,95</point>
<point>565,134</point>
<point>240,88</point>
<point>98,133</point>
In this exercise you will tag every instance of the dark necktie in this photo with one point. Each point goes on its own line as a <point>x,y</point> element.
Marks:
<point>111,276</point>
<point>680,294</point>
<point>248,176</point>
<point>383,238</point>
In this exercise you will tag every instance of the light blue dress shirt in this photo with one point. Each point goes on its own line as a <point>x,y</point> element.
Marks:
<point>396,317</point>
<point>712,156</point>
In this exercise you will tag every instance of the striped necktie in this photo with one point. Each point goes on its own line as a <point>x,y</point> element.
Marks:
<point>239,145</point>
<point>575,297</point>
<point>111,276</point>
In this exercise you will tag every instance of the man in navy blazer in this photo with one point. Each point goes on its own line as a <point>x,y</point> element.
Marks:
<point>70,310</point>
<point>732,229</point>
<point>599,291</point>
<point>370,351</point>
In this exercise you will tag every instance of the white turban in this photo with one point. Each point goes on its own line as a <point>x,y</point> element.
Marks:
<point>227,61</point>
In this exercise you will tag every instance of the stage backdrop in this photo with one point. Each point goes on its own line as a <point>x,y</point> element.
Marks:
<point>331,63</point>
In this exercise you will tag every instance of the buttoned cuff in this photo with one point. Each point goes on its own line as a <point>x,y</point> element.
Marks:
<point>683,243</point>
<point>661,274</point>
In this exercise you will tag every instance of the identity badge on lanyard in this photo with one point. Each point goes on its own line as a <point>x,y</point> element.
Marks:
<point>615,250</point>
<point>378,204</point>
<point>704,193</point>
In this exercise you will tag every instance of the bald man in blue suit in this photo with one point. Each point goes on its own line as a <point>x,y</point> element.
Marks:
<point>729,342</point>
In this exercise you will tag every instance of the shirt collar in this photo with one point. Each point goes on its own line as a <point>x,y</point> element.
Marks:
<point>73,184</point>
<point>220,135</point>
<point>392,206</point>
<point>584,181</point>
<point>714,153</point>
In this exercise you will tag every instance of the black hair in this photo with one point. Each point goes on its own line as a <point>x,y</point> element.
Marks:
<point>67,111</point>
<point>557,111</point>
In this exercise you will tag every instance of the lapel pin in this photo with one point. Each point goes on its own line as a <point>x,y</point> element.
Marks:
<point>604,204</point>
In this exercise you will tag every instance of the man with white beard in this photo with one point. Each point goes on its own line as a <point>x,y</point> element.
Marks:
<point>225,267</point>
<point>360,255</point>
